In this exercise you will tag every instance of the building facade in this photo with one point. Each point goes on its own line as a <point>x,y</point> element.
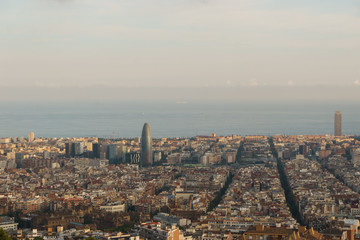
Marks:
<point>8,224</point>
<point>337,123</point>
<point>31,136</point>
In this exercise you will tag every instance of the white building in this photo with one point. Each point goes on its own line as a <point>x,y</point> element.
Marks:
<point>8,224</point>
<point>170,220</point>
<point>114,207</point>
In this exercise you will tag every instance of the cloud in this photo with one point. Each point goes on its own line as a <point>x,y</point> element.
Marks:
<point>290,83</point>
<point>357,82</point>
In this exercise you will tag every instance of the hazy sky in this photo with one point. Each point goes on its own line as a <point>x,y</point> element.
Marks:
<point>188,43</point>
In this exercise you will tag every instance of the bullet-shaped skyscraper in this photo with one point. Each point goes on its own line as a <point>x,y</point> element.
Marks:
<point>337,123</point>
<point>146,146</point>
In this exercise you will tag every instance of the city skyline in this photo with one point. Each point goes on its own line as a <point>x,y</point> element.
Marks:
<point>204,181</point>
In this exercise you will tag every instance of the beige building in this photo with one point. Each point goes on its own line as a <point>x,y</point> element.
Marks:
<point>337,123</point>
<point>31,136</point>
<point>114,207</point>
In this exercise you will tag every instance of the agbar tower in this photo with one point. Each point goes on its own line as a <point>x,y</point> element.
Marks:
<point>146,146</point>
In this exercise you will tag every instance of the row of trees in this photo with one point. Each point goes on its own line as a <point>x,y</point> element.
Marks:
<point>3,235</point>
<point>290,198</point>
<point>239,152</point>
<point>219,195</point>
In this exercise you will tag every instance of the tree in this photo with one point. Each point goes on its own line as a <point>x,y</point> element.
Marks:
<point>3,235</point>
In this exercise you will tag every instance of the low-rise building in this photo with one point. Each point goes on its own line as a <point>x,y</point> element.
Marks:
<point>114,207</point>
<point>8,224</point>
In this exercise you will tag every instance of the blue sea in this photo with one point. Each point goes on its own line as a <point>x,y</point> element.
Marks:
<point>171,119</point>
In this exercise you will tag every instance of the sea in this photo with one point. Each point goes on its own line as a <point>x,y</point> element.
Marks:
<point>125,119</point>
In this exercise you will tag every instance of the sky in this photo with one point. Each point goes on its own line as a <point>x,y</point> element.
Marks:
<point>188,48</point>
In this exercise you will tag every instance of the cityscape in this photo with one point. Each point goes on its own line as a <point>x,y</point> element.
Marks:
<point>179,120</point>
<point>203,187</point>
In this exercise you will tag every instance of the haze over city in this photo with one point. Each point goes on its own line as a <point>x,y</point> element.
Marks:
<point>67,48</point>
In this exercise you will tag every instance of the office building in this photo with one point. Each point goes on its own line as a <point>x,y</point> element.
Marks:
<point>157,156</point>
<point>19,157</point>
<point>111,153</point>
<point>132,158</point>
<point>337,123</point>
<point>97,149</point>
<point>356,157</point>
<point>68,149</point>
<point>121,151</point>
<point>146,146</point>
<point>77,148</point>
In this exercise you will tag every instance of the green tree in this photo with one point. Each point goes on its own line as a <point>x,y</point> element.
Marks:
<point>3,235</point>
<point>213,203</point>
<point>290,197</point>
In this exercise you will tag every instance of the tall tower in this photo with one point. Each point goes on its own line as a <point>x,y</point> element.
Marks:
<point>146,146</point>
<point>31,136</point>
<point>97,149</point>
<point>68,149</point>
<point>337,123</point>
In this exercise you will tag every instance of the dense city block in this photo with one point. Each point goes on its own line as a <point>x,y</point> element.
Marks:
<point>205,187</point>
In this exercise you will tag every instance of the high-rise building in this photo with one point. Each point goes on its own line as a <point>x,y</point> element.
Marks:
<point>356,157</point>
<point>78,149</point>
<point>104,147</point>
<point>337,123</point>
<point>111,153</point>
<point>97,148</point>
<point>19,157</point>
<point>68,149</point>
<point>121,151</point>
<point>31,136</point>
<point>88,146</point>
<point>157,156</point>
<point>146,146</point>
<point>132,158</point>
